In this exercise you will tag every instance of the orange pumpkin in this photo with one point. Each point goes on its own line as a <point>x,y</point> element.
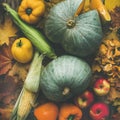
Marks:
<point>70,111</point>
<point>46,111</point>
<point>30,11</point>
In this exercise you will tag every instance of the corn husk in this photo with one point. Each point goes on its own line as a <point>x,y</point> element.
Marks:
<point>33,78</point>
<point>30,90</point>
<point>24,104</point>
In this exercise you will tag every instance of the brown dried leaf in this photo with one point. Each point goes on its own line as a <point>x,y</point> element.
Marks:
<point>5,59</point>
<point>113,94</point>
<point>7,86</point>
<point>9,92</point>
<point>116,102</point>
<point>7,30</point>
<point>116,116</point>
<point>96,68</point>
<point>19,70</point>
<point>5,113</point>
<point>115,15</point>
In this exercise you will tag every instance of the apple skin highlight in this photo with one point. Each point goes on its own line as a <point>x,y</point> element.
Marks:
<point>85,99</point>
<point>99,111</point>
<point>101,87</point>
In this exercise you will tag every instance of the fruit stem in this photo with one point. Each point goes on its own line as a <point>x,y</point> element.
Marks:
<point>71,117</point>
<point>66,91</point>
<point>19,44</point>
<point>28,11</point>
<point>70,23</point>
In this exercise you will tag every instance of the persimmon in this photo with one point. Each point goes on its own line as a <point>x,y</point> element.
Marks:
<point>69,111</point>
<point>46,111</point>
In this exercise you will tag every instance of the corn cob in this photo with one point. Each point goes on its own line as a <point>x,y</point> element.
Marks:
<point>28,95</point>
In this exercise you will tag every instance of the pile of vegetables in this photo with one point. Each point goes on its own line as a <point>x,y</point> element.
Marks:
<point>65,80</point>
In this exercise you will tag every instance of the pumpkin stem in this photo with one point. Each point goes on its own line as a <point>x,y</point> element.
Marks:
<point>28,11</point>
<point>19,44</point>
<point>66,91</point>
<point>71,117</point>
<point>71,23</point>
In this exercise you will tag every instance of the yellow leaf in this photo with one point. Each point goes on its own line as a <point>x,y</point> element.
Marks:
<point>100,7</point>
<point>86,6</point>
<point>111,4</point>
<point>7,30</point>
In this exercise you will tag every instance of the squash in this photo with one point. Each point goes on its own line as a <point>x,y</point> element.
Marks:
<point>65,77</point>
<point>81,35</point>
<point>30,11</point>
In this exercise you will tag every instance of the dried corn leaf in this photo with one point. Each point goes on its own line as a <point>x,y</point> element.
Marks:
<point>7,30</point>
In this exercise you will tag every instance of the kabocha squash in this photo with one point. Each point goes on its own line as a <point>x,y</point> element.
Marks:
<point>79,35</point>
<point>65,77</point>
<point>30,11</point>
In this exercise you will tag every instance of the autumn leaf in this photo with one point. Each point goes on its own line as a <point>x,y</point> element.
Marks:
<point>113,94</point>
<point>9,92</point>
<point>5,113</point>
<point>7,87</point>
<point>7,30</point>
<point>19,70</point>
<point>115,15</point>
<point>116,116</point>
<point>111,4</point>
<point>5,59</point>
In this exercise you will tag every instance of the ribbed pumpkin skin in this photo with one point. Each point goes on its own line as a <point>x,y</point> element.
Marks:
<point>81,40</point>
<point>65,71</point>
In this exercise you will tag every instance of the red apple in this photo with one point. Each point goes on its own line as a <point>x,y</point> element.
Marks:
<point>85,99</point>
<point>101,87</point>
<point>99,111</point>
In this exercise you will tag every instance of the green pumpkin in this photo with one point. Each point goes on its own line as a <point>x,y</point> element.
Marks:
<point>65,77</point>
<point>80,36</point>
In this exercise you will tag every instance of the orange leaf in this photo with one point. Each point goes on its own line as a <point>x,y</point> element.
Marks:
<point>5,59</point>
<point>7,30</point>
<point>5,113</point>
